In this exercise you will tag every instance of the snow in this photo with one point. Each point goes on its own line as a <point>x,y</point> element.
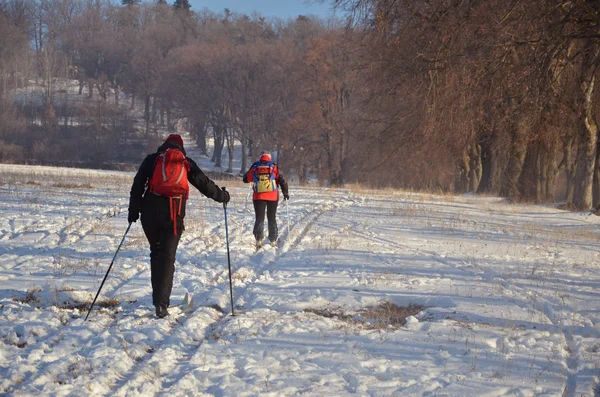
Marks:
<point>509,295</point>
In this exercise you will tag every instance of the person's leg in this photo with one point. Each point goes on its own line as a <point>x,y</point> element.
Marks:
<point>272,220</point>
<point>152,233</point>
<point>259,224</point>
<point>163,247</point>
<point>163,269</point>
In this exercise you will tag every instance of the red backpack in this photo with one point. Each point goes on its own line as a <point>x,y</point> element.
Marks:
<point>170,180</point>
<point>170,174</point>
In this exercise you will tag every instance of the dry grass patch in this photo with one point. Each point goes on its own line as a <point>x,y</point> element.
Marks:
<point>55,298</point>
<point>72,185</point>
<point>331,312</point>
<point>83,307</point>
<point>29,296</point>
<point>386,315</point>
<point>567,207</point>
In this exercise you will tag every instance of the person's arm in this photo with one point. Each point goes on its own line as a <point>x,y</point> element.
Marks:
<point>205,185</point>
<point>249,176</point>
<point>283,184</point>
<point>139,187</point>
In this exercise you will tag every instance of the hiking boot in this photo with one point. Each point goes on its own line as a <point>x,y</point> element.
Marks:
<point>274,243</point>
<point>161,311</point>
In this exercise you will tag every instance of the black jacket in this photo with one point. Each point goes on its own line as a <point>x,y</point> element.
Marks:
<point>150,204</point>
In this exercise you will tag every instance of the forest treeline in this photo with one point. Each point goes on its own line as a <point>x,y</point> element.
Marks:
<point>487,96</point>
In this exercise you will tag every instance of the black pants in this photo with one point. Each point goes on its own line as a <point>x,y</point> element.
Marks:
<point>259,224</point>
<point>158,228</point>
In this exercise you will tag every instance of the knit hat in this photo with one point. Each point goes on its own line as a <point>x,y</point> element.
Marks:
<point>176,139</point>
<point>265,156</point>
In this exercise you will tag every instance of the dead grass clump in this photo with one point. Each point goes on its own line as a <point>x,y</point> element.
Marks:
<point>332,312</point>
<point>388,314</point>
<point>385,315</point>
<point>70,185</point>
<point>62,303</point>
<point>82,307</point>
<point>567,207</point>
<point>110,302</point>
<point>29,296</point>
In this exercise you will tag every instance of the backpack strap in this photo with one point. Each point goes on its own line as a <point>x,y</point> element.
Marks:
<point>174,211</point>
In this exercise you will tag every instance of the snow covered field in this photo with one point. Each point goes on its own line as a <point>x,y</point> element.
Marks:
<point>501,299</point>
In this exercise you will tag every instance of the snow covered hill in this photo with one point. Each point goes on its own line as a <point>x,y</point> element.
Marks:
<point>370,293</point>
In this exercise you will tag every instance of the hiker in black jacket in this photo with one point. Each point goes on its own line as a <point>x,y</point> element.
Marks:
<point>162,213</point>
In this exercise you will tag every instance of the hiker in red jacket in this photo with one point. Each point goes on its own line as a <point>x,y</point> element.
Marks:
<point>160,190</point>
<point>266,180</point>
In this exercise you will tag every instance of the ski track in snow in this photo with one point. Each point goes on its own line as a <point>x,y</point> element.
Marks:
<point>511,296</point>
<point>211,321</point>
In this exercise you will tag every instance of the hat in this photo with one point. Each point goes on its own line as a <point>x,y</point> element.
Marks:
<point>176,139</point>
<point>265,156</point>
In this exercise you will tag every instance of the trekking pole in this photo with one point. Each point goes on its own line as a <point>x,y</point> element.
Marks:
<point>287,213</point>
<point>111,264</point>
<point>246,202</point>
<point>246,206</point>
<point>228,256</point>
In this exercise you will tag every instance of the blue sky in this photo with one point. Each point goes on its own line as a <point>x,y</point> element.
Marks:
<point>268,8</point>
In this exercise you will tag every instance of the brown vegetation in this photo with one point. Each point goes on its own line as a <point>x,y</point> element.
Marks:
<point>484,96</point>
<point>487,96</point>
<point>385,315</point>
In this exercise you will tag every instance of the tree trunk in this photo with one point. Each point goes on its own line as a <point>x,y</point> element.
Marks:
<point>218,135</point>
<point>587,128</point>
<point>244,153</point>
<point>529,178</point>
<point>462,179</point>
<point>161,113</point>
<point>251,150</point>
<point>510,183</point>
<point>586,152</point>
<point>569,164</point>
<point>280,157</point>
<point>549,174</point>
<point>475,168</point>
<point>147,113</point>
<point>230,142</point>
<point>170,126</point>
<point>154,110</point>
<point>342,157</point>
<point>487,164</point>
<point>201,139</point>
<point>215,142</point>
<point>303,174</point>
<point>596,185</point>
<point>199,133</point>
<point>332,175</point>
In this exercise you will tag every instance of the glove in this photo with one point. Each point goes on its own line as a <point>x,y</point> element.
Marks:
<point>286,196</point>
<point>133,217</point>
<point>226,197</point>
